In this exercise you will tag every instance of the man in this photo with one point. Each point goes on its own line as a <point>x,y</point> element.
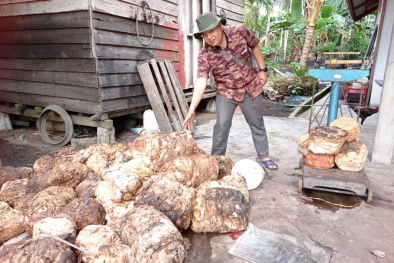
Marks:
<point>237,83</point>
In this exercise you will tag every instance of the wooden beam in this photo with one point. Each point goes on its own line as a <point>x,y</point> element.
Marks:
<point>341,53</point>
<point>124,9</point>
<point>234,22</point>
<point>124,103</point>
<point>164,95</point>
<point>78,120</point>
<point>126,25</point>
<point>237,2</point>
<point>31,88</point>
<point>85,121</point>
<point>141,54</point>
<point>47,36</point>
<point>43,7</point>
<point>366,13</point>
<point>104,37</point>
<point>5,2</point>
<point>162,7</point>
<point>52,65</point>
<point>78,19</point>
<point>109,93</point>
<point>178,90</point>
<point>46,51</point>
<point>171,89</point>
<point>231,16</point>
<point>206,95</point>
<point>65,78</point>
<point>111,66</point>
<point>119,80</point>
<point>213,5</point>
<point>173,1</point>
<point>127,112</point>
<point>154,97</point>
<point>338,61</point>
<point>228,6</point>
<point>75,105</point>
<point>365,3</point>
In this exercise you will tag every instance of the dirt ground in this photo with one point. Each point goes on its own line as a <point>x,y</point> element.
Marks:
<point>23,145</point>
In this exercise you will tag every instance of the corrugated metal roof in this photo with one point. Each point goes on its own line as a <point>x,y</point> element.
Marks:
<point>360,8</point>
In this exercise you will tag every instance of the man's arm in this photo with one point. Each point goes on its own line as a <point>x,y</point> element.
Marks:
<point>260,61</point>
<point>199,89</point>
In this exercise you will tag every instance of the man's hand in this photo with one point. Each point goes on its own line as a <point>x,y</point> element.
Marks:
<point>188,123</point>
<point>263,77</point>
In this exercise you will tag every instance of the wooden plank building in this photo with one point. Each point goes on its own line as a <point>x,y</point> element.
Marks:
<point>82,55</point>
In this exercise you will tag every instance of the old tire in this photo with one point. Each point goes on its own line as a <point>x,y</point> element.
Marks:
<point>67,120</point>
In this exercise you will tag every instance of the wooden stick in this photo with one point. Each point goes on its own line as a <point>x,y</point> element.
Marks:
<point>65,242</point>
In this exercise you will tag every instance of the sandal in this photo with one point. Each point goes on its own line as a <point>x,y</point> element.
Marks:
<point>268,164</point>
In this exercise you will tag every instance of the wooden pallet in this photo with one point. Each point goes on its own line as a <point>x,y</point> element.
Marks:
<point>162,85</point>
<point>209,93</point>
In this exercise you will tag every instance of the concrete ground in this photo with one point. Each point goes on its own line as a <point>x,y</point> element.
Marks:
<point>276,205</point>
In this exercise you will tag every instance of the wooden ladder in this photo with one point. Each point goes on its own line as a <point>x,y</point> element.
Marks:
<point>162,85</point>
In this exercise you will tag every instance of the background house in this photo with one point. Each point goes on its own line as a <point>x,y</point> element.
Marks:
<point>82,55</point>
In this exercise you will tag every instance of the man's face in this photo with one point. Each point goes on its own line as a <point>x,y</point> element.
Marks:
<point>214,36</point>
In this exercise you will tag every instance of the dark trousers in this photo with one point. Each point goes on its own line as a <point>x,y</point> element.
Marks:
<point>253,112</point>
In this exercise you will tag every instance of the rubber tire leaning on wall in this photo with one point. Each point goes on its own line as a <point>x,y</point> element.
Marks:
<point>67,120</point>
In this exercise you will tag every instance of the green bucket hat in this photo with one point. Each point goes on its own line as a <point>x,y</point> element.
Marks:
<point>207,21</point>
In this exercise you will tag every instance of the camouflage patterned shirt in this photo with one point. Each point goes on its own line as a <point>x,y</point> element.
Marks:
<point>232,79</point>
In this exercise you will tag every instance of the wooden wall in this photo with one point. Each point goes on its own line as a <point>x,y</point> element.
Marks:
<point>119,49</point>
<point>234,10</point>
<point>47,59</point>
<point>82,55</point>
<point>29,7</point>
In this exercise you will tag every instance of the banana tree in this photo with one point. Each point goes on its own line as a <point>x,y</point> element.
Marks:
<point>324,26</point>
<point>332,26</point>
<point>336,31</point>
<point>254,20</point>
<point>289,23</point>
<point>313,8</point>
<point>257,17</point>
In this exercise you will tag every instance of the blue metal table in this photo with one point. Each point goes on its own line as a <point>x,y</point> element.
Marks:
<point>336,76</point>
<point>335,180</point>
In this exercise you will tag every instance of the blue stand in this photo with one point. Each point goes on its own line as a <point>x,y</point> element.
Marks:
<point>334,102</point>
<point>336,76</point>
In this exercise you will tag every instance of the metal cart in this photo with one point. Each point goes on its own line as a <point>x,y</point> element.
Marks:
<point>335,180</point>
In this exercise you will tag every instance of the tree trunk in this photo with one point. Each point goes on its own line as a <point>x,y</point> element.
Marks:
<point>267,35</point>
<point>311,20</point>
<point>307,45</point>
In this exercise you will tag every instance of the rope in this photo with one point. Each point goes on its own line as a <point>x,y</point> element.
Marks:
<point>143,4</point>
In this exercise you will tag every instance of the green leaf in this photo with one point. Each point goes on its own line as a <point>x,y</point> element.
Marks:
<point>296,10</point>
<point>280,25</point>
<point>340,19</point>
<point>334,3</point>
<point>359,27</point>
<point>326,11</point>
<point>343,32</point>
<point>338,40</point>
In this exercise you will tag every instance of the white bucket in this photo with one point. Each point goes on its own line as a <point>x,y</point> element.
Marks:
<point>149,121</point>
<point>251,171</point>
